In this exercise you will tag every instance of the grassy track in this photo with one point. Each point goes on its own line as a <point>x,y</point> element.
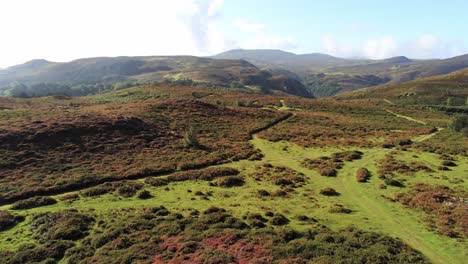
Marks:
<point>373,211</point>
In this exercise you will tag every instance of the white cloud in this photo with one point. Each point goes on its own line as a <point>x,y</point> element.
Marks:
<point>422,47</point>
<point>334,47</point>
<point>380,48</point>
<point>246,25</point>
<point>64,30</point>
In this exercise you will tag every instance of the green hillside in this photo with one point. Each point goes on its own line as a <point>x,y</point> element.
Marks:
<point>325,75</point>
<point>450,90</point>
<point>93,75</point>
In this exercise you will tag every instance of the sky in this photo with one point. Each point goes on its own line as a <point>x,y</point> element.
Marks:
<point>64,30</point>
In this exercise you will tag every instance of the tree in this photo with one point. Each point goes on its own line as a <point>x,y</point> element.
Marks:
<point>450,101</point>
<point>460,124</point>
<point>191,139</point>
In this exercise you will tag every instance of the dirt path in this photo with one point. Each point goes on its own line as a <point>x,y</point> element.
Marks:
<point>406,117</point>
<point>417,138</point>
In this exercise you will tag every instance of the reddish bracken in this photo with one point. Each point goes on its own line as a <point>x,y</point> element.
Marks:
<point>230,249</point>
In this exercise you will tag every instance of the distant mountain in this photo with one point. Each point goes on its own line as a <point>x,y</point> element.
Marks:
<point>325,75</point>
<point>233,73</point>
<point>268,57</point>
<point>449,90</point>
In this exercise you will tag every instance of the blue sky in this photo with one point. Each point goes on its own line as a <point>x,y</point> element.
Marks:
<point>439,28</point>
<point>60,30</point>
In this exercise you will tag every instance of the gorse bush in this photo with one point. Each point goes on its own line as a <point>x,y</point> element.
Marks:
<point>64,225</point>
<point>460,124</point>
<point>33,202</point>
<point>362,175</point>
<point>7,220</point>
<point>230,181</point>
<point>329,192</point>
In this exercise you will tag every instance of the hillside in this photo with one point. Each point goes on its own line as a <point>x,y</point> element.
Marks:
<point>164,173</point>
<point>449,90</point>
<point>291,61</point>
<point>78,75</point>
<point>326,75</point>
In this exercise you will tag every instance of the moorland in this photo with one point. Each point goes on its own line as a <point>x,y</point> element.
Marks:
<point>232,170</point>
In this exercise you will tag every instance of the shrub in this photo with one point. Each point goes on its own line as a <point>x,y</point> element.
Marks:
<point>348,155</point>
<point>262,193</point>
<point>362,175</point>
<point>157,182</point>
<point>33,202</point>
<point>230,181</point>
<point>7,220</point>
<point>214,209</point>
<point>405,142</point>
<point>70,197</point>
<point>302,218</point>
<point>449,163</point>
<point>63,225</point>
<point>393,182</point>
<point>258,223</point>
<point>339,209</point>
<point>144,195</point>
<point>98,190</point>
<point>460,124</point>
<point>329,172</point>
<point>279,219</point>
<point>329,192</point>
<point>128,189</point>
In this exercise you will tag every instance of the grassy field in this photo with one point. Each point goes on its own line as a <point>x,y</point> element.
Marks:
<point>271,184</point>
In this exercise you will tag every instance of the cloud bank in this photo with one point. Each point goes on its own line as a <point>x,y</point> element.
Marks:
<point>423,47</point>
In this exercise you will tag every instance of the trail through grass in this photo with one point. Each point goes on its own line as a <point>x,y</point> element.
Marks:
<point>372,210</point>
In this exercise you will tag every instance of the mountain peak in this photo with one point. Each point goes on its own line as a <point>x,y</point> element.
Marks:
<point>398,59</point>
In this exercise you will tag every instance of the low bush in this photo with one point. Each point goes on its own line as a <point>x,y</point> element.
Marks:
<point>98,190</point>
<point>278,175</point>
<point>390,165</point>
<point>329,192</point>
<point>70,197</point>
<point>50,252</point>
<point>7,220</point>
<point>362,175</point>
<point>128,189</point>
<point>157,181</point>
<point>62,225</point>
<point>339,209</point>
<point>329,172</point>
<point>33,202</point>
<point>279,219</point>
<point>449,163</point>
<point>230,181</point>
<point>262,193</point>
<point>144,194</point>
<point>348,155</point>
<point>393,182</point>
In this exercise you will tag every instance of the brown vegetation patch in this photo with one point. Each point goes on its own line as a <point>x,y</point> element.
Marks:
<point>447,210</point>
<point>279,175</point>
<point>329,166</point>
